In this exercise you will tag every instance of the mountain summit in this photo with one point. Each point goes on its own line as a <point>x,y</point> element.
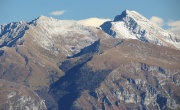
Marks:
<point>130,14</point>
<point>132,25</point>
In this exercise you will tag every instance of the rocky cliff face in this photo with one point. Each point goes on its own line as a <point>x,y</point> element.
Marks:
<point>18,97</point>
<point>72,66</point>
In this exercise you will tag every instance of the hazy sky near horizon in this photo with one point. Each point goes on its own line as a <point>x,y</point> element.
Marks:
<point>27,10</point>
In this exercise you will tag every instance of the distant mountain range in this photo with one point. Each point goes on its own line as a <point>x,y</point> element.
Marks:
<point>125,64</point>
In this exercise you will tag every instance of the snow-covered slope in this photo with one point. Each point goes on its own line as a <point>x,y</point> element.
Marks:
<point>12,33</point>
<point>65,36</point>
<point>132,25</point>
<point>49,32</point>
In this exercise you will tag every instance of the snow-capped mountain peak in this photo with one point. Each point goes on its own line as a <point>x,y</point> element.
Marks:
<point>132,25</point>
<point>44,20</point>
<point>130,14</point>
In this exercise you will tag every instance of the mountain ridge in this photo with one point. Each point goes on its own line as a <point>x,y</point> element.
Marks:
<point>132,25</point>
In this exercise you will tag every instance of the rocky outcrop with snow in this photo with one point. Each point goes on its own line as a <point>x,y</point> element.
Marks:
<point>14,96</point>
<point>12,33</point>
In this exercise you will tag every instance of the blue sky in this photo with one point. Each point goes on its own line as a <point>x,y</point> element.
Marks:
<point>27,10</point>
